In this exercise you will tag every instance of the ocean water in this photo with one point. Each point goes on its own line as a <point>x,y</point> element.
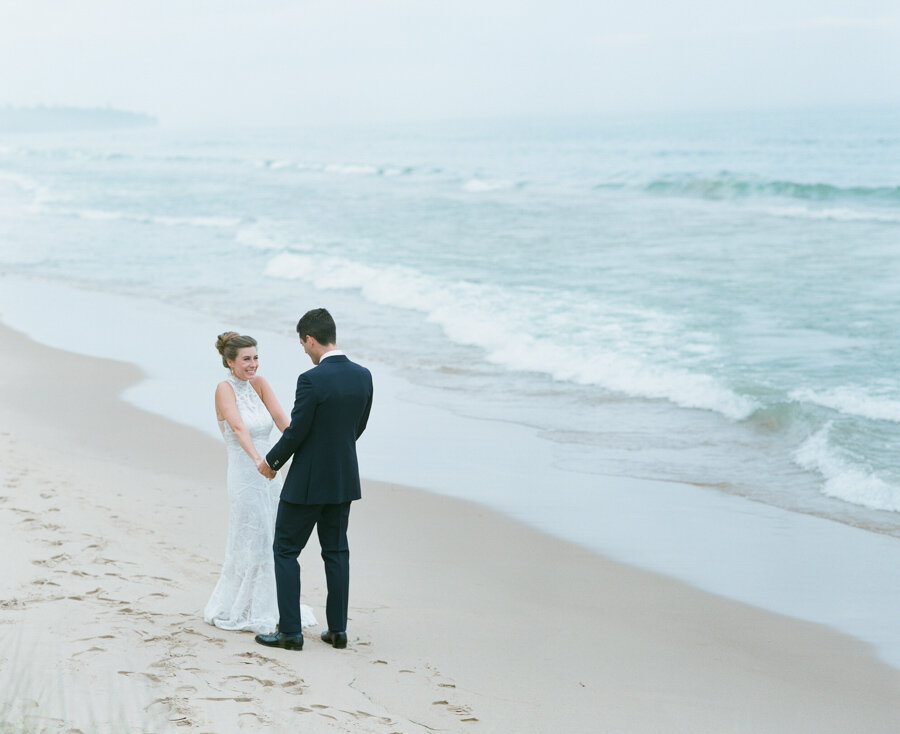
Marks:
<point>709,299</point>
<point>667,339</point>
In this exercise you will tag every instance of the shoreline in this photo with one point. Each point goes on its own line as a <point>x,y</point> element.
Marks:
<point>792,564</point>
<point>462,619</point>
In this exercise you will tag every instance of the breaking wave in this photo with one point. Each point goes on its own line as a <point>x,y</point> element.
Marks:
<point>459,308</point>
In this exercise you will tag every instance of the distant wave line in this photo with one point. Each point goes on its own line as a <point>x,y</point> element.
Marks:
<point>197,221</point>
<point>343,169</point>
<point>730,186</point>
<point>834,214</point>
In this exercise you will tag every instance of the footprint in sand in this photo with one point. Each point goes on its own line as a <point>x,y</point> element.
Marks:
<point>217,641</point>
<point>293,686</point>
<point>342,714</point>
<point>54,561</point>
<point>105,561</point>
<point>365,715</point>
<point>255,656</point>
<point>251,678</point>
<point>260,719</point>
<point>44,582</point>
<point>318,708</point>
<point>461,711</point>
<point>90,649</point>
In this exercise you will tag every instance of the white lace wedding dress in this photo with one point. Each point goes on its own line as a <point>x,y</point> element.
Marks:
<point>244,597</point>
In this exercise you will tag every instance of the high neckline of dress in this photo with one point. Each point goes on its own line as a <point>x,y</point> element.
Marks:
<point>235,381</point>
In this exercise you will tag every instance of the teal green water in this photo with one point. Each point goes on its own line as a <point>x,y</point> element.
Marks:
<point>706,298</point>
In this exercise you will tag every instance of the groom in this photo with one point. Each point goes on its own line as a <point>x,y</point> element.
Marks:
<point>330,412</point>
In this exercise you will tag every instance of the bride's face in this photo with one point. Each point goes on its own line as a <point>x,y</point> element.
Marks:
<point>245,364</point>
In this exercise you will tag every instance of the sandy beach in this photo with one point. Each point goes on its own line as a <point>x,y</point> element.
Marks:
<point>461,620</point>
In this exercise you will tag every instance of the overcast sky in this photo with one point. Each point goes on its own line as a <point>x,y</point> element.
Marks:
<point>295,61</point>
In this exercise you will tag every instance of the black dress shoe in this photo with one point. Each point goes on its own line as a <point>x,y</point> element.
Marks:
<point>279,639</point>
<point>335,639</point>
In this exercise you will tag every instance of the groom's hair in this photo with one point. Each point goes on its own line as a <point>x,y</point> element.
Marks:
<point>319,325</point>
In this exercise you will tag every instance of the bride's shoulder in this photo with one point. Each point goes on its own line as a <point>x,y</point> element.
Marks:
<point>259,384</point>
<point>224,389</point>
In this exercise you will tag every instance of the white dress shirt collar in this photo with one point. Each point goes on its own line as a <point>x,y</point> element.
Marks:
<point>332,353</point>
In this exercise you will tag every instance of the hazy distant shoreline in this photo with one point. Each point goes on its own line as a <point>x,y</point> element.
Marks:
<point>57,119</point>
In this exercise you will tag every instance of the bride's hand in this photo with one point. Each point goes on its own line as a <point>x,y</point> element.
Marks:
<point>265,469</point>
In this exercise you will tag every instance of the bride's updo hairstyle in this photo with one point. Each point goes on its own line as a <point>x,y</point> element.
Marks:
<point>230,342</point>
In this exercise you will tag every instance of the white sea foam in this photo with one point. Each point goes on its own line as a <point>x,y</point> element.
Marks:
<point>342,169</point>
<point>478,185</point>
<point>257,238</point>
<point>833,214</point>
<point>843,479</point>
<point>22,182</point>
<point>852,401</point>
<point>460,309</point>
<point>339,169</point>
<point>40,194</point>
<point>17,179</point>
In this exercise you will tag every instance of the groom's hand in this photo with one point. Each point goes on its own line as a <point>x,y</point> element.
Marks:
<point>264,469</point>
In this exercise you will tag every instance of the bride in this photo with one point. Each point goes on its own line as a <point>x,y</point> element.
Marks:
<point>246,406</point>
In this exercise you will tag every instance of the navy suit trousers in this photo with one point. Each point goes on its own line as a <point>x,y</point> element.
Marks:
<point>293,526</point>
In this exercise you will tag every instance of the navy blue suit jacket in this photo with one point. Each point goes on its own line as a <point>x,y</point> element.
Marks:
<point>330,412</point>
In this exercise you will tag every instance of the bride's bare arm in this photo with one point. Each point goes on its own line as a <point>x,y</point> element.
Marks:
<point>267,395</point>
<point>227,410</point>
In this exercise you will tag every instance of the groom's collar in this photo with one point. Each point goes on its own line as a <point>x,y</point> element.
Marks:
<point>332,353</point>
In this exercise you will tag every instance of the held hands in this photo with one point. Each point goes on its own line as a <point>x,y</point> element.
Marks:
<point>264,469</point>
